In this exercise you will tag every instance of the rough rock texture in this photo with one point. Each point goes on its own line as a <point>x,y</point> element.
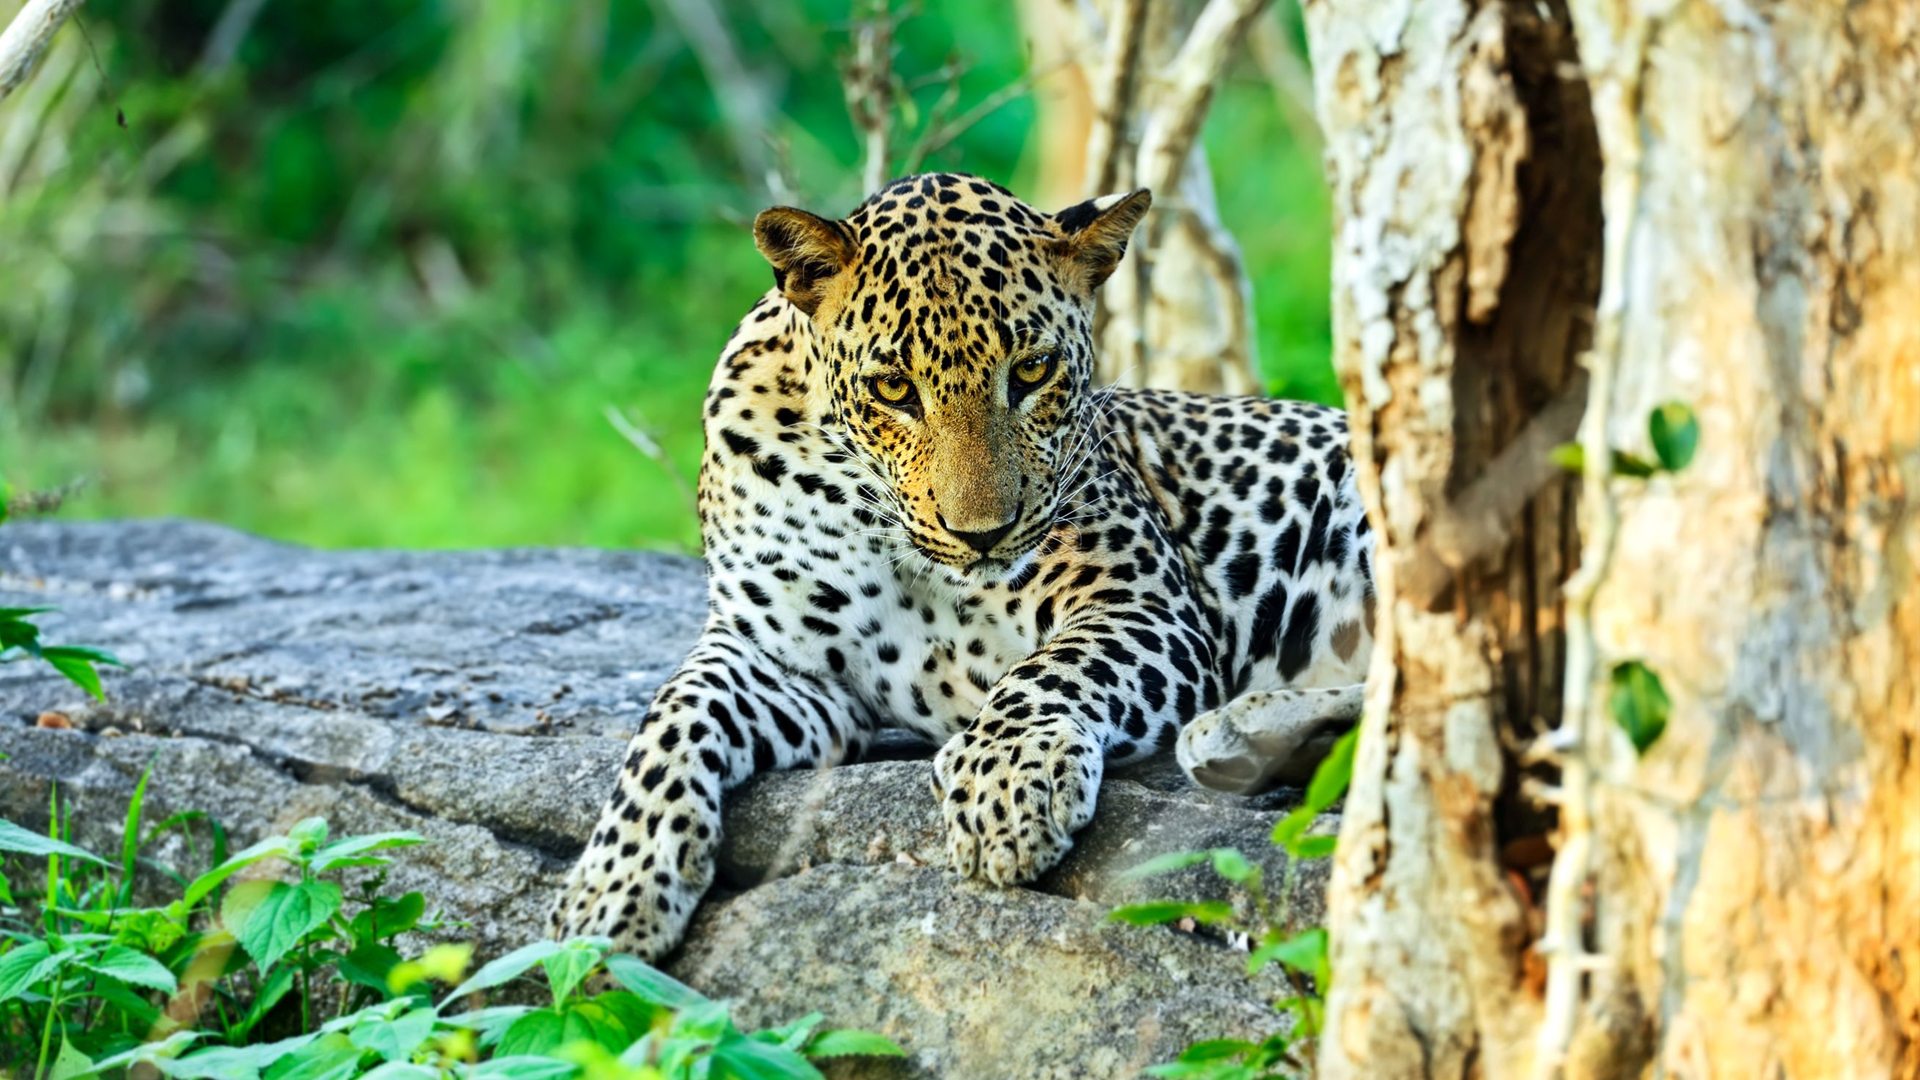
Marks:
<point>483,699</point>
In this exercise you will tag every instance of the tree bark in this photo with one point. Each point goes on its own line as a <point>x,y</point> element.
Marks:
<point>1743,899</point>
<point>1465,178</point>
<point>1756,875</point>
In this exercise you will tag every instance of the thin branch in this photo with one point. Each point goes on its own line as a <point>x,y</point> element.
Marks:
<point>28,36</point>
<point>1190,80</point>
<point>1479,522</point>
<point>1616,107</point>
<point>1287,73</point>
<point>738,91</point>
<point>1114,90</point>
<point>867,80</point>
<point>933,140</point>
<point>644,443</point>
<point>228,32</point>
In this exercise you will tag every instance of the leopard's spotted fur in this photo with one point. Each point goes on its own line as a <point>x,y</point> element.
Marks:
<point>917,511</point>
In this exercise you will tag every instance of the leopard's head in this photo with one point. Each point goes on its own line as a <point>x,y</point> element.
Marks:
<point>955,326</point>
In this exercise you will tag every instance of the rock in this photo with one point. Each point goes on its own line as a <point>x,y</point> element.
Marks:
<point>975,981</point>
<point>483,699</point>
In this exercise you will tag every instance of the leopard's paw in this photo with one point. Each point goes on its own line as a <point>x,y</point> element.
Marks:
<point>1013,799</point>
<point>625,891</point>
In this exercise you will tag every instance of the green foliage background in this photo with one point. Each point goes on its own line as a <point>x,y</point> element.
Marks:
<point>376,281</point>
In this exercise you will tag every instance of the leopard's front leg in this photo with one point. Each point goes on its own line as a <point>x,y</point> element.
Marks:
<point>1023,777</point>
<point>728,712</point>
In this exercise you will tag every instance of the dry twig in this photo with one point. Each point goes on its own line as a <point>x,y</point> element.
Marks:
<point>28,36</point>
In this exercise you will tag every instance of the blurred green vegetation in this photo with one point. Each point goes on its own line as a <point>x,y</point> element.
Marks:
<point>373,272</point>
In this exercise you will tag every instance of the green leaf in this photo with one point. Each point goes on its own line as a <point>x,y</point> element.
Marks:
<point>541,1031</point>
<point>1625,464</point>
<point>793,1034</point>
<point>25,966</point>
<point>521,1068</point>
<point>847,1042</point>
<point>368,965</point>
<point>503,969</point>
<point>22,612</point>
<point>165,1050</point>
<point>1304,952</point>
<point>132,1006</point>
<point>130,836</point>
<point>446,962</point>
<point>750,1059</point>
<point>69,1063</point>
<point>388,917</point>
<point>652,984</point>
<point>132,968</point>
<point>1570,456</point>
<point>271,991</point>
<point>27,842</point>
<point>401,1070</point>
<point>705,1022</point>
<point>397,1039</point>
<point>77,665</point>
<point>1675,432</point>
<point>271,847</point>
<point>232,1062</point>
<point>1165,864</point>
<point>1331,778</point>
<point>271,917</point>
<point>1229,863</point>
<point>1639,703</point>
<point>1217,1050</point>
<point>308,834</point>
<point>1155,912</point>
<point>571,964</point>
<point>328,1056</point>
<point>489,1022</point>
<point>1313,847</point>
<point>352,850</point>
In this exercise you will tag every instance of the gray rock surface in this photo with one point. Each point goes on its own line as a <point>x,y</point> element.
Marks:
<point>484,698</point>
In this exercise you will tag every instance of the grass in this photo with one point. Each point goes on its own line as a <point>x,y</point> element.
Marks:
<point>226,310</point>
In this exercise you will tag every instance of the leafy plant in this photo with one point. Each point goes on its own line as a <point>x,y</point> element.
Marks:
<point>1638,702</point>
<point>1674,431</point>
<point>1300,955</point>
<point>300,977</point>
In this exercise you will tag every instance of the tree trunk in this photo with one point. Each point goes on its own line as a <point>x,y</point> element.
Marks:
<point>1744,898</point>
<point>1465,183</point>
<point>1756,875</point>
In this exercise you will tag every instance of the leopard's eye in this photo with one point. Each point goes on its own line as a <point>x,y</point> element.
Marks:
<point>1034,370</point>
<point>892,389</point>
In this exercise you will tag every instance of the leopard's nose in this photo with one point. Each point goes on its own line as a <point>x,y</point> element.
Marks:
<point>984,540</point>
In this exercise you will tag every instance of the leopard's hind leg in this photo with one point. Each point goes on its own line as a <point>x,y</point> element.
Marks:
<point>1267,738</point>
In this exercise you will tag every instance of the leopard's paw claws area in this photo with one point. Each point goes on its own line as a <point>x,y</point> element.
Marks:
<point>1011,804</point>
<point>644,916</point>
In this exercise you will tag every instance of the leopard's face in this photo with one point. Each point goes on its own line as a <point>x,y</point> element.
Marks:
<point>955,326</point>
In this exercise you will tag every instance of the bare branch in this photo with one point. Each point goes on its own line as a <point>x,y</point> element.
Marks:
<point>28,36</point>
<point>1113,95</point>
<point>1479,522</point>
<point>1288,74</point>
<point>1190,79</point>
<point>866,78</point>
<point>738,91</point>
<point>933,140</point>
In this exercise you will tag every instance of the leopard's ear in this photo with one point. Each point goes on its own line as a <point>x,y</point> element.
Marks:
<point>807,251</point>
<point>1096,232</point>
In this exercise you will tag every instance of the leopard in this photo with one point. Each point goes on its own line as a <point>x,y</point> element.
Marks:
<point>919,512</point>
